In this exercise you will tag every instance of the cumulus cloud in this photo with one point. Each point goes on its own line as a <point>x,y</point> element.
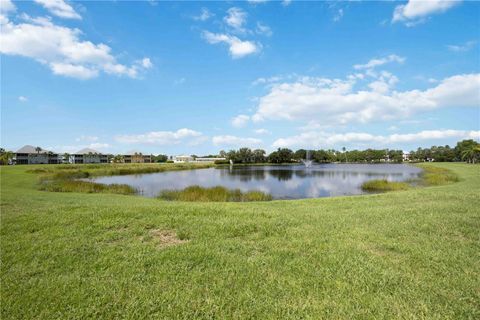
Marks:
<point>240,121</point>
<point>379,61</point>
<point>228,140</point>
<point>335,101</point>
<point>59,8</point>
<point>286,3</point>
<point>204,15</point>
<point>263,29</point>
<point>316,139</point>
<point>87,138</point>
<point>416,11</point>
<point>237,47</point>
<point>61,49</point>
<point>164,137</point>
<point>261,131</point>
<point>22,99</point>
<point>236,19</point>
<point>463,47</point>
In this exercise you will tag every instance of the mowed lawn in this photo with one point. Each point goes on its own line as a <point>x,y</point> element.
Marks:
<point>409,254</point>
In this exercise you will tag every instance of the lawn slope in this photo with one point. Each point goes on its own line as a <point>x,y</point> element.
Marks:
<point>408,254</point>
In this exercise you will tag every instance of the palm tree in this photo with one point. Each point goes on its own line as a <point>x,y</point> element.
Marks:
<point>38,149</point>
<point>471,153</point>
<point>344,149</point>
<point>66,157</point>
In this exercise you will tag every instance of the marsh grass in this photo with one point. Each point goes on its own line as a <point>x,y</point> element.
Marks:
<point>431,176</point>
<point>383,185</point>
<point>214,194</point>
<point>85,187</point>
<point>435,176</point>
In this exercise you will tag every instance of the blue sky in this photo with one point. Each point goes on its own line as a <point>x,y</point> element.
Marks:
<point>199,77</point>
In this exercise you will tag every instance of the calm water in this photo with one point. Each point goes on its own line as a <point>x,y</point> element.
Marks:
<point>282,182</point>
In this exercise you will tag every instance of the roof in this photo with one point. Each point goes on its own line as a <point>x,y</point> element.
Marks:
<point>133,152</point>
<point>30,149</point>
<point>87,151</point>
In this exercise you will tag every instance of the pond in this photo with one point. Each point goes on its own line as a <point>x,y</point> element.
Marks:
<point>282,182</point>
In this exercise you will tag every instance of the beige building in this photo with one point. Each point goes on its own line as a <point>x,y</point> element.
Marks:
<point>88,155</point>
<point>136,157</point>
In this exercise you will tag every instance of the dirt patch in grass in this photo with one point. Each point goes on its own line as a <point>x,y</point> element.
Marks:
<point>163,238</point>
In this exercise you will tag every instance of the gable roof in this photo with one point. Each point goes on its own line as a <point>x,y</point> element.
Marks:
<point>132,153</point>
<point>87,151</point>
<point>30,149</point>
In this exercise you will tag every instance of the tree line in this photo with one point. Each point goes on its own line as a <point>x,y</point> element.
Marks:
<point>465,150</point>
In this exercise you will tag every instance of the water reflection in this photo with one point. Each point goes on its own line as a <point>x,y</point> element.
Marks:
<point>282,182</point>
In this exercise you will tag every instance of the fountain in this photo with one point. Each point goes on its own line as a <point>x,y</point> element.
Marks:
<point>307,161</point>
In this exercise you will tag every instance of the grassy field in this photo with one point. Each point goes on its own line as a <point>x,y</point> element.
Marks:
<point>409,255</point>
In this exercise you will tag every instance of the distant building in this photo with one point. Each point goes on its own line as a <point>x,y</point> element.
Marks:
<point>209,159</point>
<point>181,159</point>
<point>406,156</point>
<point>88,155</point>
<point>136,157</point>
<point>35,155</point>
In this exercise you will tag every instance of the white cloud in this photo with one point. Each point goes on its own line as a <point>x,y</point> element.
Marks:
<point>22,99</point>
<point>416,11</point>
<point>60,8</point>
<point>263,29</point>
<point>236,18</point>
<point>87,138</point>
<point>286,3</point>
<point>179,81</point>
<point>262,131</point>
<point>462,48</point>
<point>237,47</point>
<point>61,49</point>
<point>240,121</point>
<point>235,141</point>
<point>146,63</point>
<point>316,139</point>
<point>204,15</point>
<point>338,15</point>
<point>379,61</point>
<point>163,137</point>
<point>334,101</point>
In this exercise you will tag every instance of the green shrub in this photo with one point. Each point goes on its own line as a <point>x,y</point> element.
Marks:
<point>214,194</point>
<point>383,185</point>
<point>169,161</point>
<point>221,162</point>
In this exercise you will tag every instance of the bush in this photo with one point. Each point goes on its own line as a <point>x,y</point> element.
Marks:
<point>169,161</point>
<point>215,194</point>
<point>384,186</point>
<point>221,162</point>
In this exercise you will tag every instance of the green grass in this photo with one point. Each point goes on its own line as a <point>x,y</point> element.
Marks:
<point>398,255</point>
<point>384,185</point>
<point>214,194</point>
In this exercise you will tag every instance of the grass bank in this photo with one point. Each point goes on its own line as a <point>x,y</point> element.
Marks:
<point>214,194</point>
<point>384,185</point>
<point>407,255</point>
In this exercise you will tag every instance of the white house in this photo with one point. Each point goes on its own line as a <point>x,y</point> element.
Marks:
<point>182,159</point>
